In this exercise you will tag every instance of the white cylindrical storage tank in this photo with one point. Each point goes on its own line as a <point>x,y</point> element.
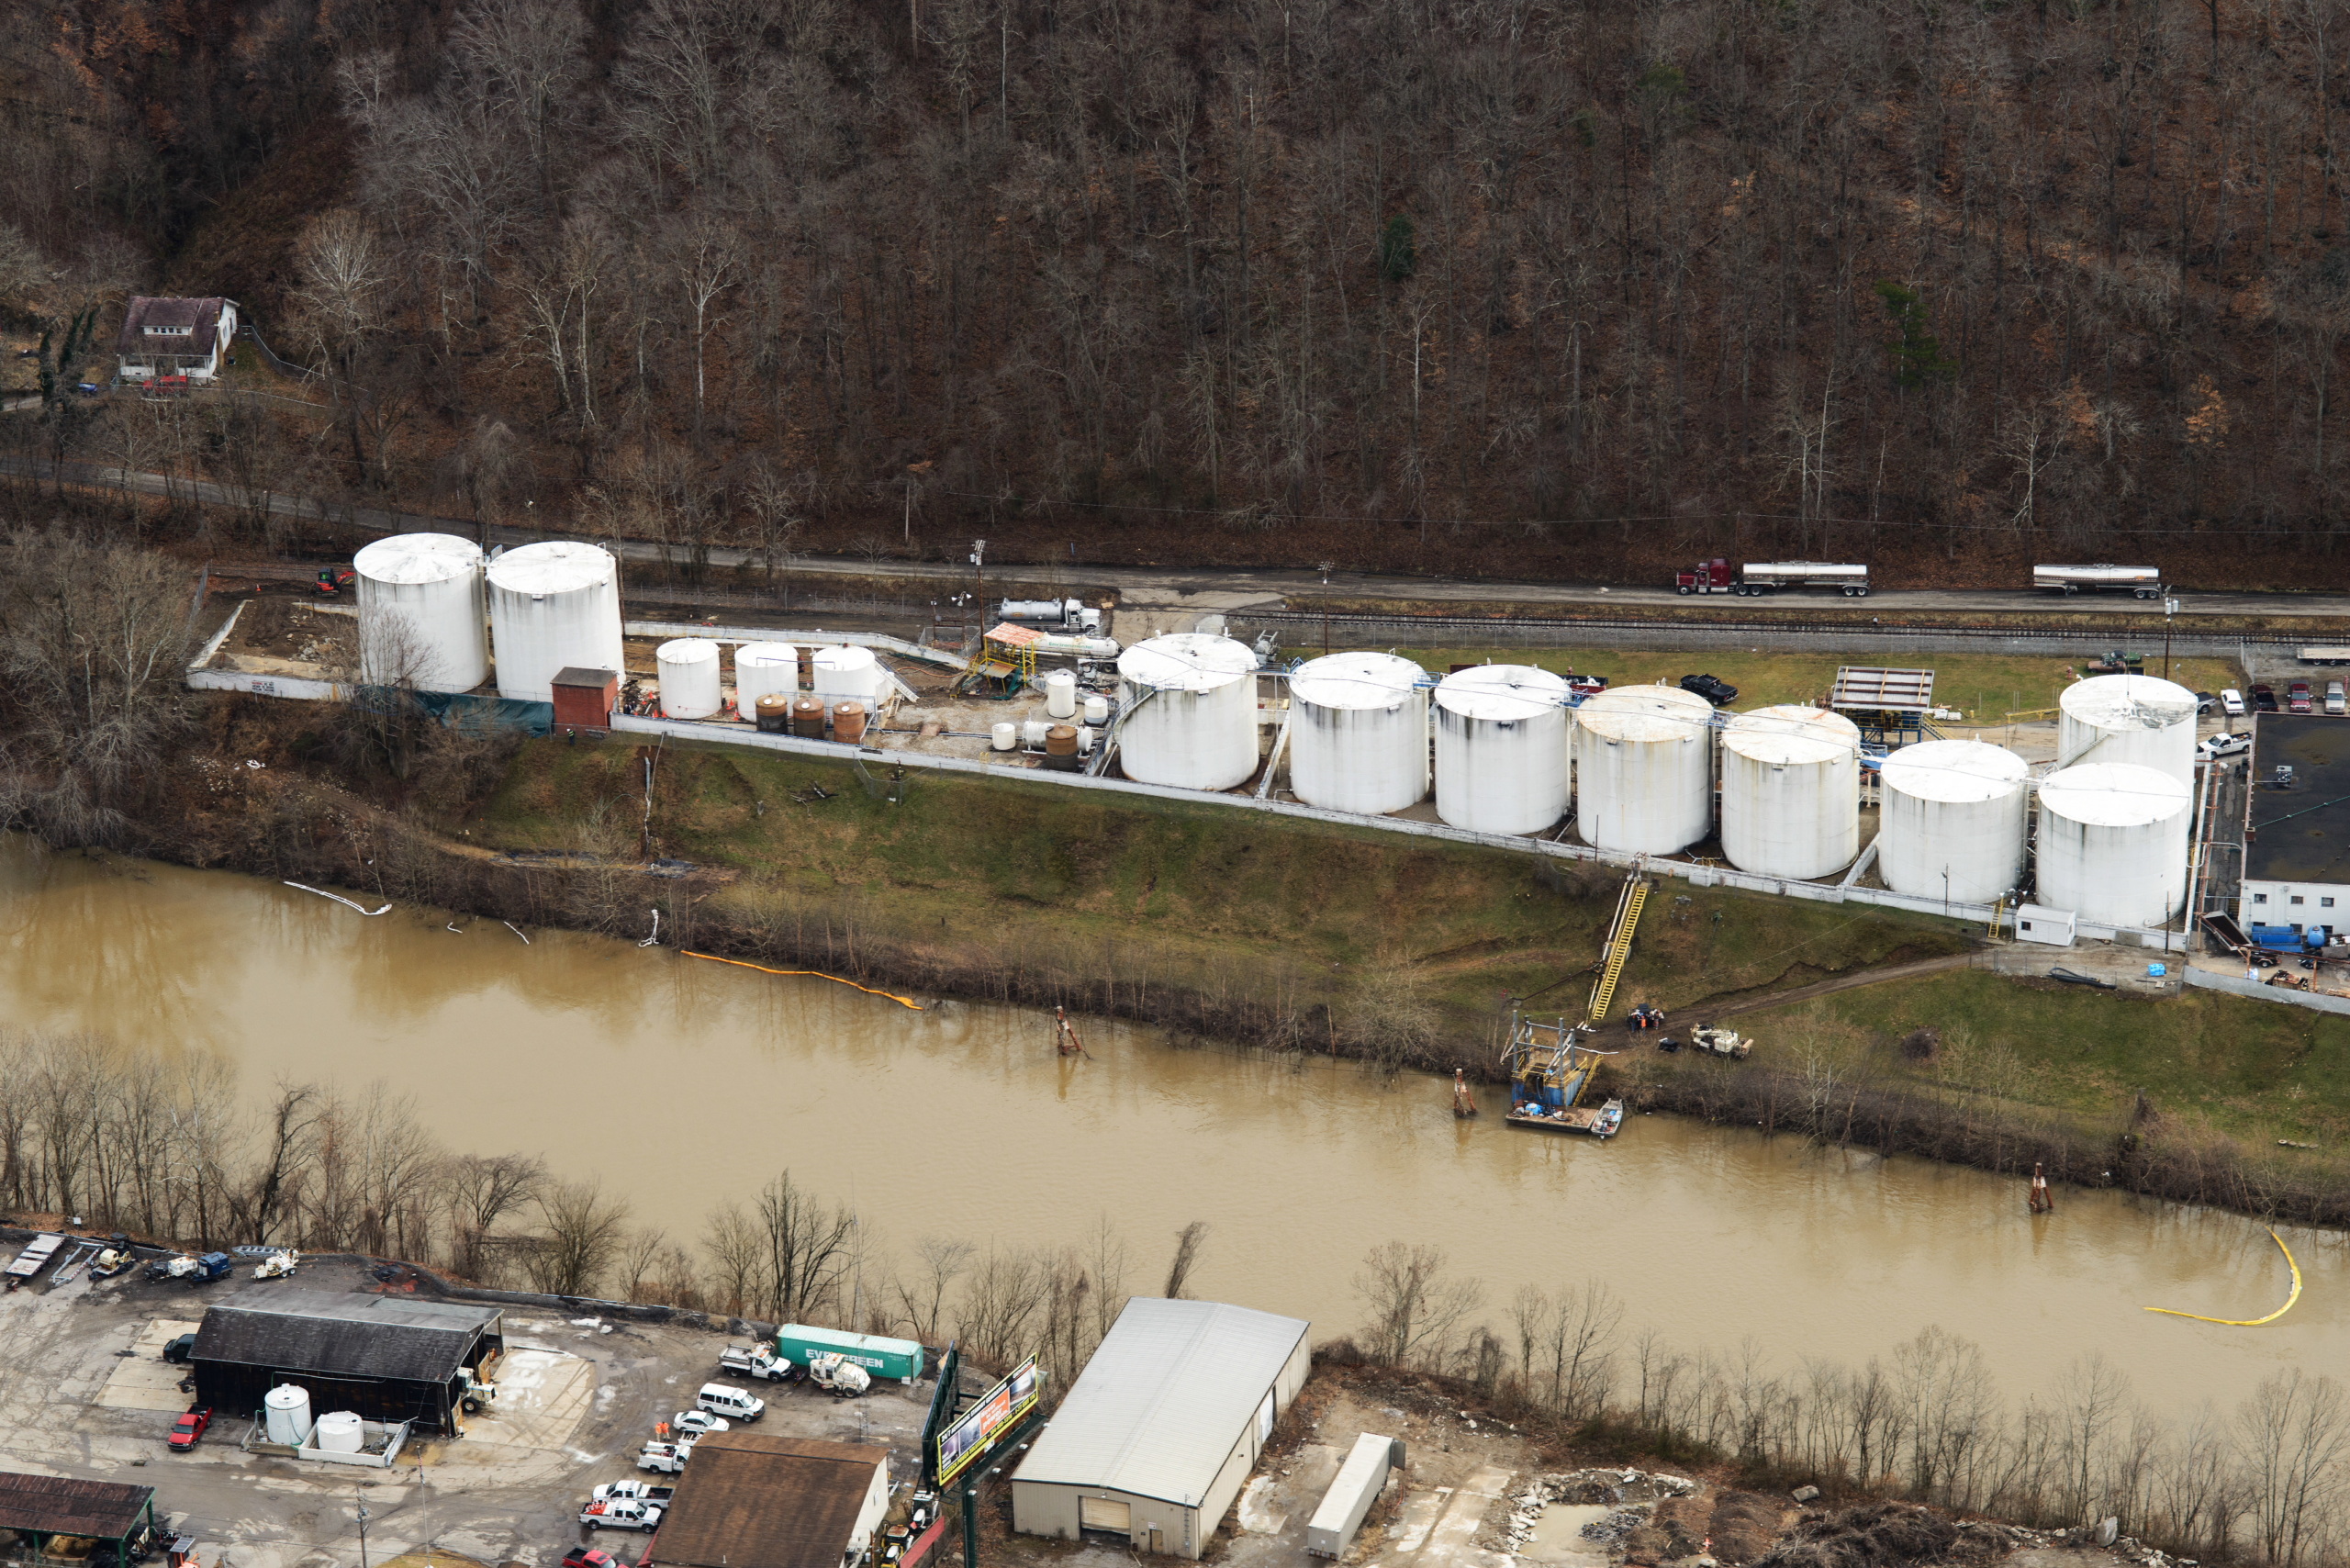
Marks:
<point>1005,736</point>
<point>423,617</point>
<point>1359,733</point>
<point>1061,694</point>
<point>1097,709</point>
<point>1791,791</point>
<point>1500,748</point>
<point>689,674</point>
<point>2140,719</point>
<point>1952,824</point>
<point>2114,843</point>
<point>553,605</point>
<point>1644,769</point>
<point>338,1431</point>
<point>1189,701</point>
<point>287,1414</point>
<point>764,670</point>
<point>847,674</point>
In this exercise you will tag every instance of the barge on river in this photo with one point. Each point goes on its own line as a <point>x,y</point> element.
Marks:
<point>1549,1066</point>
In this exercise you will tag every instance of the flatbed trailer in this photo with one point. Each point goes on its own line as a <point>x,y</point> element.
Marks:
<point>30,1262</point>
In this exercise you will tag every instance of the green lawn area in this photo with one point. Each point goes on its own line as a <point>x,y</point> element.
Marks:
<point>2252,1068</point>
<point>1984,687</point>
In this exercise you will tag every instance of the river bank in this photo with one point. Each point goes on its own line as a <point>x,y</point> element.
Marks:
<point>1298,938</point>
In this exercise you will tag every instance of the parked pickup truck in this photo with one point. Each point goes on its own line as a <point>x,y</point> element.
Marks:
<point>634,1492</point>
<point>621,1514</point>
<point>664,1459</point>
<point>760,1362</point>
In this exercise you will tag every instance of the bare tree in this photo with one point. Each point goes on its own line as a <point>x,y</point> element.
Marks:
<point>2295,1434</point>
<point>1187,1242</point>
<point>484,1189</point>
<point>583,1232</point>
<point>1415,1308</point>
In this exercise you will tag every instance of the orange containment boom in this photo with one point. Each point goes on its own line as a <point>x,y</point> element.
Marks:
<point>818,974</point>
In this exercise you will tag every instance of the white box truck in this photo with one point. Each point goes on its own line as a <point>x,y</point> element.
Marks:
<point>1359,1481</point>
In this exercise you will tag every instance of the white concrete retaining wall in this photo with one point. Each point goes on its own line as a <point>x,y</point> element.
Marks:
<point>2235,985</point>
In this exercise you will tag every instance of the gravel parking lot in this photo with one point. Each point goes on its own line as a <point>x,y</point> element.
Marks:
<point>84,1393</point>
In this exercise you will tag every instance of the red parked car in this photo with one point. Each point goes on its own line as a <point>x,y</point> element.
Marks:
<point>590,1557</point>
<point>190,1427</point>
<point>2297,697</point>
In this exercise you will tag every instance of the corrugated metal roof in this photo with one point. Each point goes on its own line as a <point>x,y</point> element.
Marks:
<point>56,1505</point>
<point>753,1501</point>
<point>359,1335</point>
<point>1867,687</point>
<point>1157,1410</point>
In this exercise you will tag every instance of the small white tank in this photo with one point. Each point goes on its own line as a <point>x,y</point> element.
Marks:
<point>688,676</point>
<point>1097,709</point>
<point>1085,740</point>
<point>287,1414</point>
<point>1359,733</point>
<point>424,614</point>
<point>1952,825</point>
<point>1500,748</point>
<point>1032,732</point>
<point>2114,843</point>
<point>847,674</point>
<point>764,670</point>
<point>1644,769</point>
<point>2139,719</point>
<point>1061,694</point>
<point>1190,711</point>
<point>1005,736</point>
<point>1791,791</point>
<point>339,1432</point>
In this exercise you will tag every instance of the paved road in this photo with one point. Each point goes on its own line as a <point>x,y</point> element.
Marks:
<point>1230,588</point>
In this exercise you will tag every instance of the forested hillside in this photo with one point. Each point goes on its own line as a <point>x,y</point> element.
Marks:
<point>1528,285</point>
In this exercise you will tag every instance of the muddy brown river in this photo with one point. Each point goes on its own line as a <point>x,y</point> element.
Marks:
<point>685,1083</point>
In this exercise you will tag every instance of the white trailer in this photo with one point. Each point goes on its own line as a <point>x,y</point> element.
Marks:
<point>1359,1481</point>
<point>2325,656</point>
<point>1846,578</point>
<point>2145,582</point>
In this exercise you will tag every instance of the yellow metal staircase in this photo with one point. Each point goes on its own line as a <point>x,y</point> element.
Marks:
<point>1620,946</point>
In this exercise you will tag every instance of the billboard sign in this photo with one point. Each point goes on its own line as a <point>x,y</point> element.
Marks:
<point>976,1431</point>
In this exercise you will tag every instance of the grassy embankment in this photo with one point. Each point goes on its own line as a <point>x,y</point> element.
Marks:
<point>1286,933</point>
<point>1984,687</point>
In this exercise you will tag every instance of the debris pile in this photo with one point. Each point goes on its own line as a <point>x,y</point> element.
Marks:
<point>1630,1496</point>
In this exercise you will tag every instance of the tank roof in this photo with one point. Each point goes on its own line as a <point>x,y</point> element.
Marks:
<point>553,566</point>
<point>2113,795</point>
<point>766,653</point>
<point>1355,680</point>
<point>1957,772</point>
<point>1187,661</point>
<point>418,558</point>
<point>2128,702</point>
<point>1646,713</point>
<point>686,650</point>
<point>1791,735</point>
<point>845,655</point>
<point>1504,693</point>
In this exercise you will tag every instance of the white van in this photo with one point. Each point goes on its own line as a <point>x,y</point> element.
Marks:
<point>735,1403</point>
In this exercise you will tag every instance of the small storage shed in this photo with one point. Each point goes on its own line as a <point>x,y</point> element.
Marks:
<point>45,1507</point>
<point>753,1501</point>
<point>584,699</point>
<point>384,1358</point>
<point>1159,1432</point>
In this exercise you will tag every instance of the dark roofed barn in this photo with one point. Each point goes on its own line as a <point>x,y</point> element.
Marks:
<point>752,1501</point>
<point>384,1358</point>
<point>46,1506</point>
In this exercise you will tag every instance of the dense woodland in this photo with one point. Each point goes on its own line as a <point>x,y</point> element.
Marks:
<point>1505,284</point>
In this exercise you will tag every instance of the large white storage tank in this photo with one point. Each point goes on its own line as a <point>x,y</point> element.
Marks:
<point>1500,748</point>
<point>845,674</point>
<point>688,669</point>
<point>1952,824</point>
<point>1359,733</point>
<point>1190,706</point>
<point>553,605</point>
<point>1644,769</point>
<point>763,669</point>
<point>2140,719</point>
<point>286,1414</point>
<point>423,619</point>
<point>1791,791</point>
<point>2114,843</point>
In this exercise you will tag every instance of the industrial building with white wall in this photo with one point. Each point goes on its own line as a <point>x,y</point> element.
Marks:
<point>1154,1441</point>
<point>2297,837</point>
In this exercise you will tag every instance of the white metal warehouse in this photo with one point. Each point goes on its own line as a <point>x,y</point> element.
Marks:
<point>1158,1433</point>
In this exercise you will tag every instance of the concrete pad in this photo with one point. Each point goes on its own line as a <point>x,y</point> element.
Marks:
<point>1260,1511</point>
<point>542,1395</point>
<point>143,1380</point>
<point>1414,1519</point>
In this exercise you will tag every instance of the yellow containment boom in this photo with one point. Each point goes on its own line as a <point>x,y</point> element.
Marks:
<point>814,974</point>
<point>2251,1322</point>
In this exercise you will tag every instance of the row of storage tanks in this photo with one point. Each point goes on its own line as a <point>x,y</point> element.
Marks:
<point>1639,765</point>
<point>431,607</point>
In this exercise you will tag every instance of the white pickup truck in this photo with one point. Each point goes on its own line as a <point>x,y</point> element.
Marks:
<point>665,1459</point>
<point>634,1492</point>
<point>760,1362</point>
<point>621,1513</point>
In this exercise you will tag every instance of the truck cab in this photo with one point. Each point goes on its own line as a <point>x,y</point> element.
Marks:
<point>1709,576</point>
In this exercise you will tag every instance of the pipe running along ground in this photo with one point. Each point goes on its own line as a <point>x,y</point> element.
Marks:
<point>2250,1322</point>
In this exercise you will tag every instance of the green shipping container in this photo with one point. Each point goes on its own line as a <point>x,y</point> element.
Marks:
<point>900,1359</point>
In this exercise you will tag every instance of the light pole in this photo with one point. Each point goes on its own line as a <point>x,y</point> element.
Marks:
<point>979,573</point>
<point>363,1517</point>
<point>2170,608</point>
<point>1325,568</point>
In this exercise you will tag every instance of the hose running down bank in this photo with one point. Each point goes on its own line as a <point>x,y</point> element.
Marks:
<point>818,974</point>
<point>2251,1322</point>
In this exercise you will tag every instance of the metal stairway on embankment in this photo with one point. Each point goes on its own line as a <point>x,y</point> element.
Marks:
<point>1620,946</point>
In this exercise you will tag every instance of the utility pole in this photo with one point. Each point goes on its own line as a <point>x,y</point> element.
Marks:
<point>363,1517</point>
<point>979,576</point>
<point>1325,567</point>
<point>2170,608</point>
